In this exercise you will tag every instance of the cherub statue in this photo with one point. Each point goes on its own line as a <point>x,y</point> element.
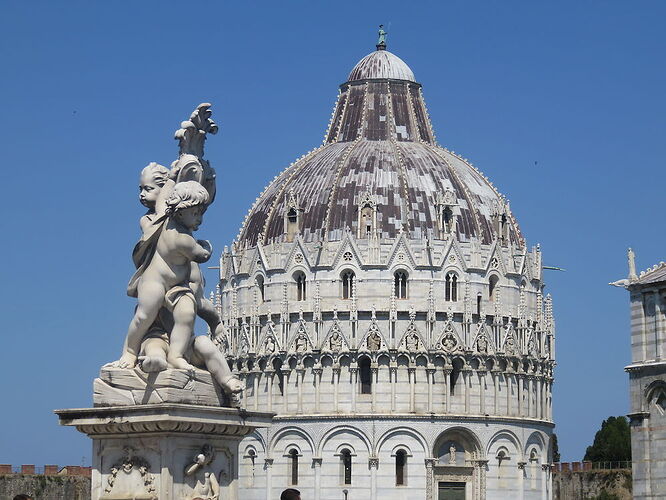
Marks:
<point>163,278</point>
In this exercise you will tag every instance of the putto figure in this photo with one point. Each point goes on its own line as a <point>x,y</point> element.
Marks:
<point>168,283</point>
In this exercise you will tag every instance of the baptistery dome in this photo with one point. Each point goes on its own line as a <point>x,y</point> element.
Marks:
<point>380,148</point>
<point>381,301</point>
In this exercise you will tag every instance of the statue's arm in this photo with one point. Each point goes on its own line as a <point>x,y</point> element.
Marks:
<point>197,251</point>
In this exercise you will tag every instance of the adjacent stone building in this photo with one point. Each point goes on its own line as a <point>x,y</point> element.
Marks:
<point>381,299</point>
<point>647,379</point>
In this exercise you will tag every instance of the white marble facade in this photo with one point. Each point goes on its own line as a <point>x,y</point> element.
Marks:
<point>381,300</point>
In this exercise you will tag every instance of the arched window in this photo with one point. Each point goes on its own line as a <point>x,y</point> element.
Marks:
<point>346,466</point>
<point>366,375</point>
<point>347,284</point>
<point>447,220</point>
<point>291,223</point>
<point>293,466</point>
<point>451,290</point>
<point>260,286</point>
<point>367,221</point>
<point>299,278</point>
<point>400,285</point>
<point>400,463</point>
<point>492,286</point>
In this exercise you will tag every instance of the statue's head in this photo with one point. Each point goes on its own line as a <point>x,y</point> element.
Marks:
<point>153,177</point>
<point>187,204</point>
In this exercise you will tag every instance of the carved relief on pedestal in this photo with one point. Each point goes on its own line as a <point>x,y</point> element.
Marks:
<point>130,477</point>
<point>200,476</point>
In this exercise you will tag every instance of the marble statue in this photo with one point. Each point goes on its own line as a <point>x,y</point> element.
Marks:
<point>452,455</point>
<point>168,282</point>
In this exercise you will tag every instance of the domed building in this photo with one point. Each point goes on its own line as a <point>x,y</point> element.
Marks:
<point>381,300</point>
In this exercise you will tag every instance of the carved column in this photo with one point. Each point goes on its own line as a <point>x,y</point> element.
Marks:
<point>316,465</point>
<point>411,373</point>
<point>539,405</point>
<point>545,480</point>
<point>482,391</point>
<point>285,390</point>
<point>353,373</point>
<point>373,463</point>
<point>495,375</point>
<point>430,478</point>
<point>509,387</point>
<point>270,374</point>
<point>447,391</point>
<point>466,378</point>
<point>520,395</point>
<point>336,384</point>
<point>268,465</point>
<point>300,377</point>
<point>430,374</point>
<point>480,470</point>
<point>317,374</point>
<point>255,386</point>
<point>393,377</point>
<point>521,480</point>
<point>375,386</point>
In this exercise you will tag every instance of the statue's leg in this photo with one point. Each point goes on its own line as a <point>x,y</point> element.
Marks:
<point>207,312</point>
<point>217,364</point>
<point>154,355</point>
<point>150,300</point>
<point>184,315</point>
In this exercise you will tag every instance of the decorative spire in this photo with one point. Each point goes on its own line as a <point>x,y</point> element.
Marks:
<point>381,41</point>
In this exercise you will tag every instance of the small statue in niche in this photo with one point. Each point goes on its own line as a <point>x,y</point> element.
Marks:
<point>509,345</point>
<point>301,342</point>
<point>482,344</point>
<point>374,341</point>
<point>335,341</point>
<point>449,343</point>
<point>270,345</point>
<point>244,346</point>
<point>531,348</point>
<point>412,342</point>
<point>452,454</point>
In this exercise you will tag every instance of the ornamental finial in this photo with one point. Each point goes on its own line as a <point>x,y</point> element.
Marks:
<point>381,41</point>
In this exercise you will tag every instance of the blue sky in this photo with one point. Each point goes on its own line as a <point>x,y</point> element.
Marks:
<point>91,92</point>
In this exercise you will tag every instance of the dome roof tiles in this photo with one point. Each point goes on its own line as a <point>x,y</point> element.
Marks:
<point>381,64</point>
<point>380,144</point>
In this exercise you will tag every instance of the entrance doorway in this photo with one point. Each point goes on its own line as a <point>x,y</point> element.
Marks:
<point>451,491</point>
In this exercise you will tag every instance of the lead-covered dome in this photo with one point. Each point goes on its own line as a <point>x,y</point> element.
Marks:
<point>381,64</point>
<point>380,152</point>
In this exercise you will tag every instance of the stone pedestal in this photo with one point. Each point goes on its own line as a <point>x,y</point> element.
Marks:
<point>164,451</point>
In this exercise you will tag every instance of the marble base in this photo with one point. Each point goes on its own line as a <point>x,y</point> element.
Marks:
<point>149,451</point>
<point>129,387</point>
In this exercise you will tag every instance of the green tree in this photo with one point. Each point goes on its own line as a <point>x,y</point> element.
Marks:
<point>612,443</point>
